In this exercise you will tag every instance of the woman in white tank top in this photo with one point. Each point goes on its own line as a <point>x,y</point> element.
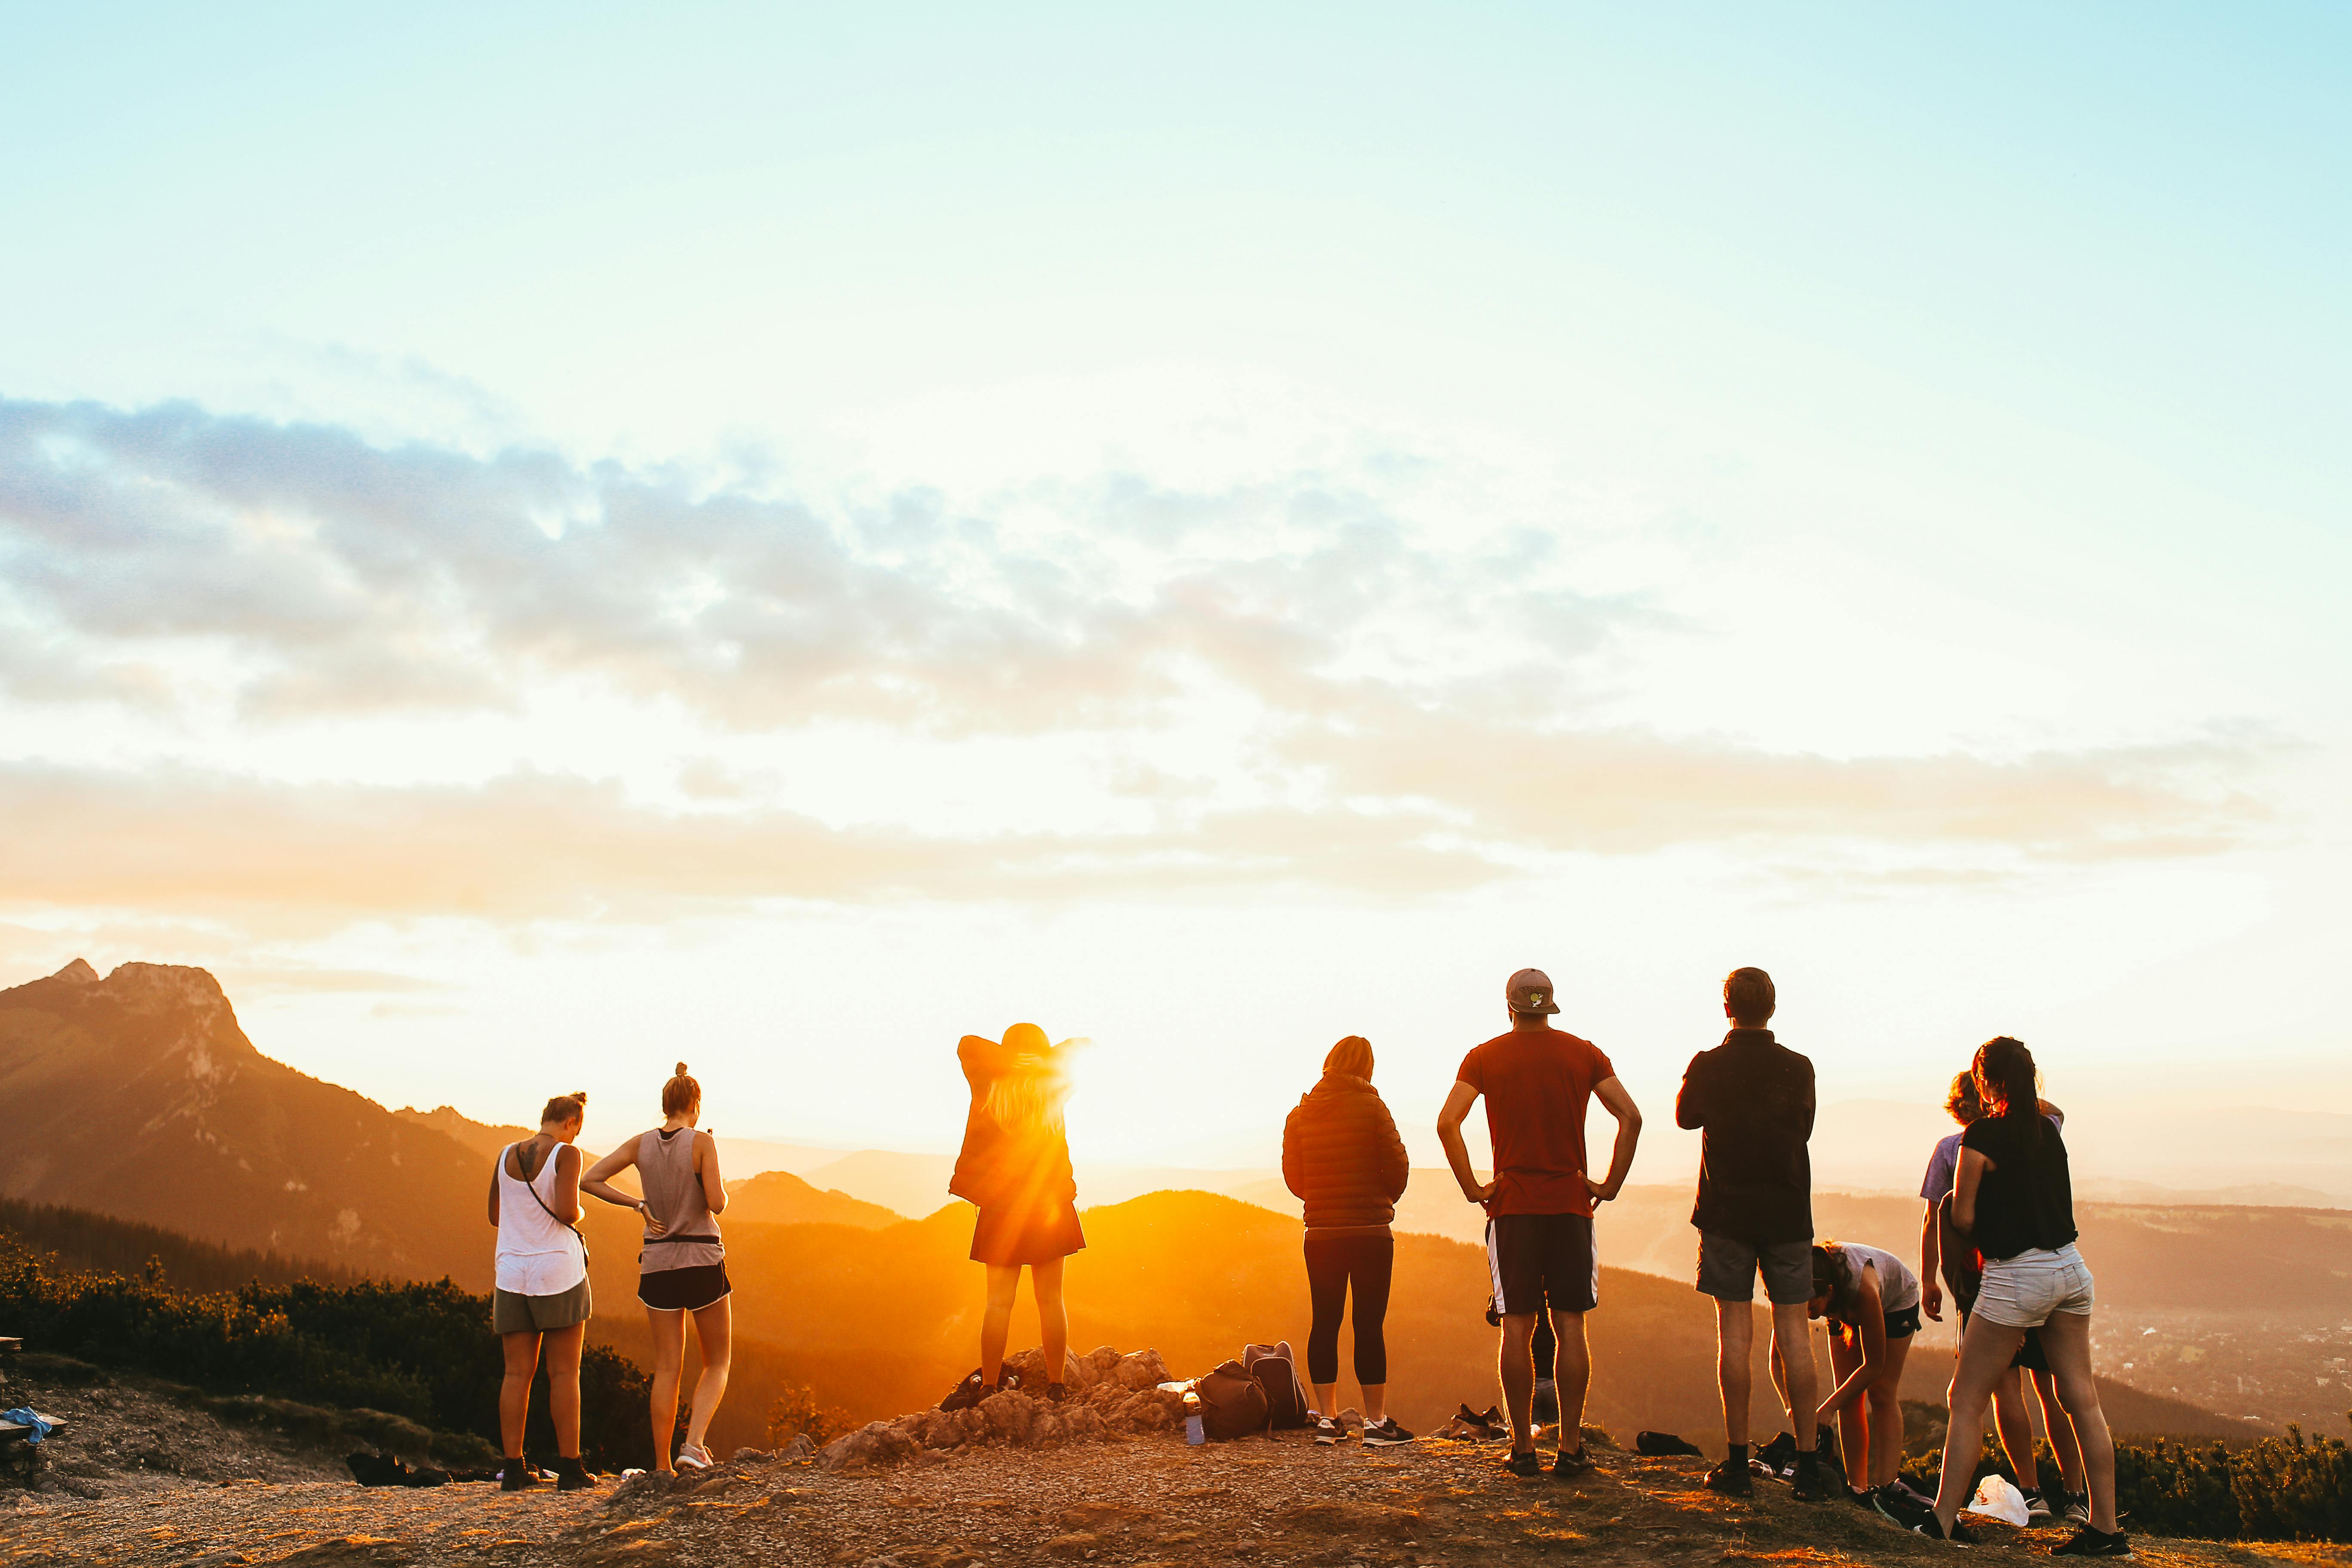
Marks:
<point>682,1267</point>
<point>542,1300</point>
<point>1871,1299</point>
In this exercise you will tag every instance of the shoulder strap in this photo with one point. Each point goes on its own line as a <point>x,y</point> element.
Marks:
<point>532,1188</point>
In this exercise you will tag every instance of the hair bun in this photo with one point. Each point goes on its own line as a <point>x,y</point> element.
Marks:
<point>580,1095</point>
<point>681,1069</point>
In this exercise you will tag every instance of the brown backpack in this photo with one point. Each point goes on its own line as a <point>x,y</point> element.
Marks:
<point>1232,1403</point>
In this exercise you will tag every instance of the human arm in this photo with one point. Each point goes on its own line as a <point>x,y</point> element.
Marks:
<point>1612,1094</point>
<point>1458,1101</point>
<point>984,1060</point>
<point>1293,1168</point>
<point>1690,1101</point>
<point>598,1182</point>
<point>494,1192</point>
<point>1931,1264</point>
<point>1974,1163</point>
<point>1395,1165</point>
<point>565,1203</point>
<point>1872,1332</point>
<point>706,1163</point>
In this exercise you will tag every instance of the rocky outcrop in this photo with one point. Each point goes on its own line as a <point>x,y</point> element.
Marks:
<point>1111,1395</point>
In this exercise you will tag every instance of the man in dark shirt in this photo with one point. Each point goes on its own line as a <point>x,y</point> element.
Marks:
<point>1754,1099</point>
<point>1538,1081</point>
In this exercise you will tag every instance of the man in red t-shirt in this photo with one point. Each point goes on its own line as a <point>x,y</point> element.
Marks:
<point>1538,1082</point>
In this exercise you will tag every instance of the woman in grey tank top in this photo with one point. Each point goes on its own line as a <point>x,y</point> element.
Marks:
<point>682,1267</point>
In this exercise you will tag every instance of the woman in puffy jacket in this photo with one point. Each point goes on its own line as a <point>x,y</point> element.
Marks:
<point>1342,1157</point>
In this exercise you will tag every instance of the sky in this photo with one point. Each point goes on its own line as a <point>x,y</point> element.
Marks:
<point>540,544</point>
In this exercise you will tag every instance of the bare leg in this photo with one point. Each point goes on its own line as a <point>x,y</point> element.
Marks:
<point>1515,1362</point>
<point>2060,1426</point>
<point>514,1389</point>
<point>1572,1376</point>
<point>563,1347</point>
<point>668,1327</point>
<point>1985,1350</point>
<point>1376,1400</point>
<point>1735,1350</point>
<point>714,1330</point>
<point>2066,1341</point>
<point>1792,1337</point>
<point>1052,1318</point>
<point>996,1324</point>
<point>1885,1401</point>
<point>2014,1427</point>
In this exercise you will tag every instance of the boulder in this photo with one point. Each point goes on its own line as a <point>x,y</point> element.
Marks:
<point>874,1446</point>
<point>1143,1369</point>
<point>1031,1365</point>
<point>1010,1415</point>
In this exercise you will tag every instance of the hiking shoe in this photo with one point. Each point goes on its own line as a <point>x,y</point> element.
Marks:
<point>2076,1509</point>
<point>2089,1542</point>
<point>1056,1393</point>
<point>1777,1458</point>
<point>1529,1464</point>
<point>1899,1507</point>
<point>1327,1431</point>
<point>2037,1508</point>
<point>1385,1433</point>
<point>571,1476</point>
<point>1860,1498</point>
<point>1566,1466</point>
<point>1730,1479</point>
<point>693,1456</point>
<point>516,1476</point>
<point>1810,1485</point>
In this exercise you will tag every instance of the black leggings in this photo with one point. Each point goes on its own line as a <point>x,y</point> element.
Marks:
<point>1332,1262</point>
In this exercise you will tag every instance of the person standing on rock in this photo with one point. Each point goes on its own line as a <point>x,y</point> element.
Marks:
<point>542,1297</point>
<point>1014,1166</point>
<point>1752,1099</point>
<point>1342,1158</point>
<point>1538,1082</point>
<point>682,1266</point>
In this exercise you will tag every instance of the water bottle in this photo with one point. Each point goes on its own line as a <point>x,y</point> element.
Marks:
<point>1194,1432</point>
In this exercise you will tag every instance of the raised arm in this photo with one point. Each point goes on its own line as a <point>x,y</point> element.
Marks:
<point>706,1163</point>
<point>1458,1101</point>
<point>983,1059</point>
<point>598,1182</point>
<point>1612,1094</point>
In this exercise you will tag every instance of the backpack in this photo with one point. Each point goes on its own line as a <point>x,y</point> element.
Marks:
<point>1232,1403</point>
<point>1276,1370</point>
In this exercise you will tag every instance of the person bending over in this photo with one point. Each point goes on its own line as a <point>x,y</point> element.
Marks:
<point>682,1264</point>
<point>1015,1166</point>
<point>1537,1082</point>
<point>1871,1299</point>
<point>2014,1199</point>
<point>1342,1158</point>
<point>541,1297</point>
<point>1752,1098</point>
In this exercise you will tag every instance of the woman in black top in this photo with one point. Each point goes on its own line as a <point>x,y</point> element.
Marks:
<point>2014,1198</point>
<point>1342,1157</point>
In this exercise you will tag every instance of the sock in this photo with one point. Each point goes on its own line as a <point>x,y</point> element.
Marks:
<point>1736,1455</point>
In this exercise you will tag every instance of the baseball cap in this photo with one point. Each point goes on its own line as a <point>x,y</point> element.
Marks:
<point>1529,990</point>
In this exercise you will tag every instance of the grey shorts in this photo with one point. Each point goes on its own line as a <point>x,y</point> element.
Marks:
<point>514,1314</point>
<point>1726,1269</point>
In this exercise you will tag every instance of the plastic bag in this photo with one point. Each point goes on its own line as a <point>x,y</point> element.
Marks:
<point>1996,1499</point>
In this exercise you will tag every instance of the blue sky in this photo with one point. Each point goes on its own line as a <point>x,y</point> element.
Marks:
<point>585,525</point>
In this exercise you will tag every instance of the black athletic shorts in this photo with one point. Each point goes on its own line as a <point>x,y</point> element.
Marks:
<point>684,1290</point>
<point>1533,1260</point>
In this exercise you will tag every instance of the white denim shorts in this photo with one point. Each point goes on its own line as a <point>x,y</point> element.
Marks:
<point>2021,1292</point>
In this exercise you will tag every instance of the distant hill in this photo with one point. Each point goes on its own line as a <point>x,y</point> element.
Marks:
<point>83,1242</point>
<point>487,1142</point>
<point>779,1197</point>
<point>138,1096</point>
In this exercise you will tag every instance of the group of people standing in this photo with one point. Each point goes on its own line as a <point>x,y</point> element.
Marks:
<point>1998,1230</point>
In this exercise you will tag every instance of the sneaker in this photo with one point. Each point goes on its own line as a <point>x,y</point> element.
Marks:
<point>2037,1507</point>
<point>1566,1466</point>
<point>2089,1542</point>
<point>1912,1491</point>
<point>1899,1507</point>
<point>1385,1433</point>
<point>2077,1509</point>
<point>1809,1485</point>
<point>1056,1393</point>
<point>1777,1458</point>
<point>571,1476</point>
<point>1860,1498</point>
<point>516,1476</point>
<point>1529,1464</point>
<point>967,1394</point>
<point>693,1456</point>
<point>1327,1431</point>
<point>1730,1479</point>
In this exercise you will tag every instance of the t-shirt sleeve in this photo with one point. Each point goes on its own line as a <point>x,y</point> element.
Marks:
<point>1472,1072</point>
<point>1936,1182</point>
<point>1983,1135</point>
<point>1603,1071</point>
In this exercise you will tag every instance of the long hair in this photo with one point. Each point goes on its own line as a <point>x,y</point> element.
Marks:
<point>1027,1102</point>
<point>2008,1085</point>
<point>1835,1276</point>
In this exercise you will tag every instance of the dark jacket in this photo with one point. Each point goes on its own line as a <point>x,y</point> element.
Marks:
<point>1755,1099</point>
<point>1341,1155</point>
<point>996,1166</point>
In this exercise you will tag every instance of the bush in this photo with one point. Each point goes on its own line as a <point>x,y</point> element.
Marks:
<point>423,1352</point>
<point>796,1413</point>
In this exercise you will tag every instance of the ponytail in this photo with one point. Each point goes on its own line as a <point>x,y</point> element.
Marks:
<point>565,1108</point>
<point>2010,1087</point>
<point>680,1094</point>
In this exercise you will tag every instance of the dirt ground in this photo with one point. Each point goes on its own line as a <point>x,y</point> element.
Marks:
<point>1147,1500</point>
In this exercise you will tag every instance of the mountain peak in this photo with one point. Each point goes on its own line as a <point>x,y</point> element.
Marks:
<point>77,973</point>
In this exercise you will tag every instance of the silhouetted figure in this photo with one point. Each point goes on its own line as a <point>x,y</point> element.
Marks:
<point>1015,1166</point>
<point>1944,1251</point>
<point>682,1264</point>
<point>2014,1198</point>
<point>1342,1156</point>
<point>1537,1082</point>
<point>541,1296</point>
